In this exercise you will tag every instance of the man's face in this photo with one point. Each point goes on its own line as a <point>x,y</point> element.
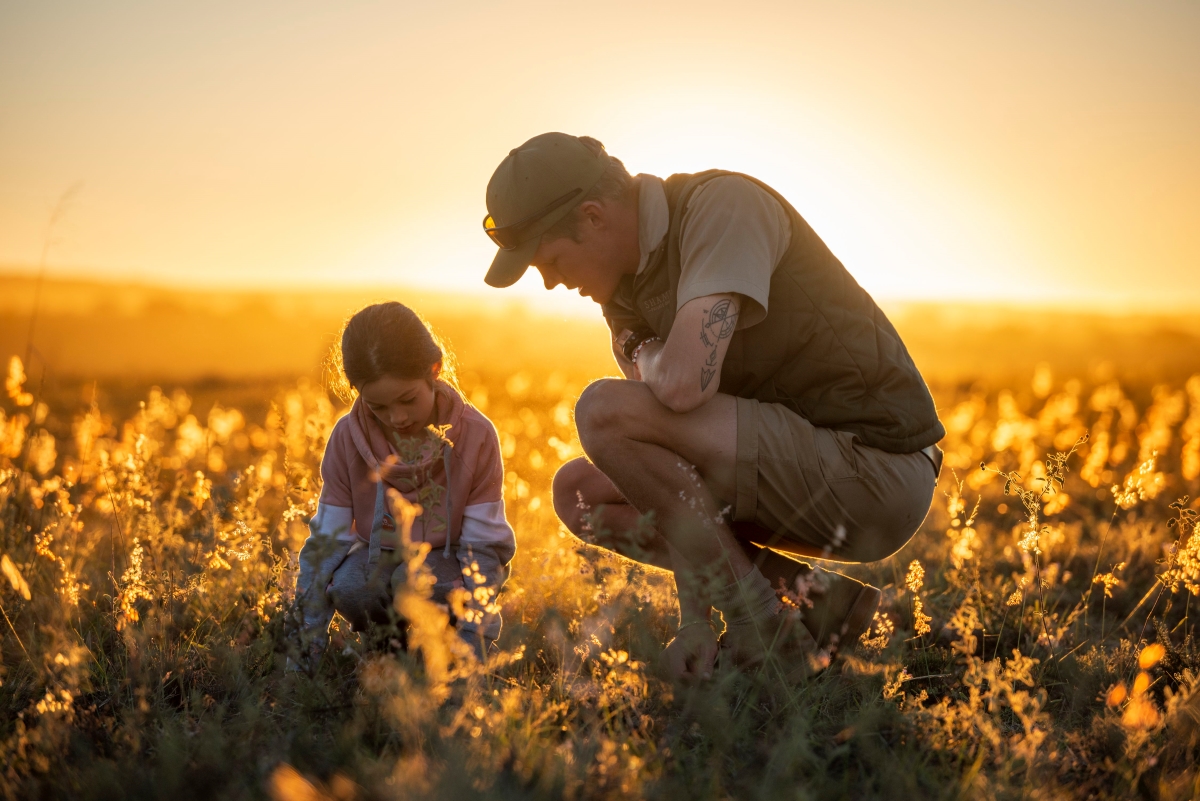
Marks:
<point>607,249</point>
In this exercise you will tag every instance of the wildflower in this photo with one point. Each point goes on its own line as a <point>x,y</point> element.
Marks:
<point>1190,454</point>
<point>961,532</point>
<point>914,581</point>
<point>1142,484</point>
<point>892,688</point>
<point>50,704</point>
<point>916,576</point>
<point>1151,655</point>
<point>1142,712</point>
<point>1156,428</point>
<point>14,384</point>
<point>964,623</point>
<point>1183,558</point>
<point>1029,542</point>
<point>1109,579</point>
<point>132,587</point>
<point>963,548</point>
<point>42,453</point>
<point>920,619</point>
<point>878,634</point>
<point>14,576</point>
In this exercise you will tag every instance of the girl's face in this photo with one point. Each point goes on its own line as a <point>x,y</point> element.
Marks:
<point>402,405</point>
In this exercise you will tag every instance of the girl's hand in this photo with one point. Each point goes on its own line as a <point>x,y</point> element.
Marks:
<point>691,654</point>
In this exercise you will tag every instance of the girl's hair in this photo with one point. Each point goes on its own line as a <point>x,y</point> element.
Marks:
<point>385,339</point>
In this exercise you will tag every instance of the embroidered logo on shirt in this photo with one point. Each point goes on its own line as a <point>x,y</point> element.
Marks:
<point>656,302</point>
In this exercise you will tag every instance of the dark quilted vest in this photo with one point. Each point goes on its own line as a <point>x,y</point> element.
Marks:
<point>824,350</point>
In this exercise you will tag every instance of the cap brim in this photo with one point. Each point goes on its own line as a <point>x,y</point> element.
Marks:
<point>509,265</point>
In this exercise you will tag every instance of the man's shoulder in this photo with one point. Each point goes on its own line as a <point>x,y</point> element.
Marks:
<point>732,189</point>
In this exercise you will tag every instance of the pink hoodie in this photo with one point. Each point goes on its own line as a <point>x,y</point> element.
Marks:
<point>359,453</point>
<point>460,489</point>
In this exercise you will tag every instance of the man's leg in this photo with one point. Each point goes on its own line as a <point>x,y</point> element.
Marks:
<point>583,495</point>
<point>581,491</point>
<point>681,466</point>
<point>587,502</point>
<point>674,464</point>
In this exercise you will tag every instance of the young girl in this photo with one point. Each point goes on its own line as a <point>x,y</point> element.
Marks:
<point>411,432</point>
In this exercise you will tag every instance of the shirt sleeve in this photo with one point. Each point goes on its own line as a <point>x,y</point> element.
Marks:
<point>323,551</point>
<point>733,236</point>
<point>335,472</point>
<point>487,480</point>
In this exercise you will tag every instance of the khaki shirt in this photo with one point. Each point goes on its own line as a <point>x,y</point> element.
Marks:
<point>733,235</point>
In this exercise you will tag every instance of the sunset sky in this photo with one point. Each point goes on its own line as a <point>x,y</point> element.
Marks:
<point>1002,150</point>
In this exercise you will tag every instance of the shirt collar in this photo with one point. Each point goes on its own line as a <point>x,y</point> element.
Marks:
<point>654,216</point>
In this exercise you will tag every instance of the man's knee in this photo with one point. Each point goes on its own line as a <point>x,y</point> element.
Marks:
<point>606,407</point>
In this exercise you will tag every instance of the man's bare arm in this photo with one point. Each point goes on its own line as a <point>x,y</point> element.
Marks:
<point>685,371</point>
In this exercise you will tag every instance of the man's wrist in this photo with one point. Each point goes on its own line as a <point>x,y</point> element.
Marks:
<point>635,341</point>
<point>637,351</point>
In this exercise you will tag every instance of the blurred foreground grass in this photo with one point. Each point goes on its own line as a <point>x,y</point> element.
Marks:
<point>1032,643</point>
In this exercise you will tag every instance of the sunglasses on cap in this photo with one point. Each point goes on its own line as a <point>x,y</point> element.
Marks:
<point>508,237</point>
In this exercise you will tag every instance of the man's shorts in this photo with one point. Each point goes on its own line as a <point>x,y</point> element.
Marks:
<point>823,492</point>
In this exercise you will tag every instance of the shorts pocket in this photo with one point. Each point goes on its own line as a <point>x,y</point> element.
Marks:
<point>835,451</point>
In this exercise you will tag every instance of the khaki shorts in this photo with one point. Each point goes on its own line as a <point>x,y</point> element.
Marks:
<point>824,490</point>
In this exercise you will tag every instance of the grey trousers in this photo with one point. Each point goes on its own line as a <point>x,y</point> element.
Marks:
<point>362,593</point>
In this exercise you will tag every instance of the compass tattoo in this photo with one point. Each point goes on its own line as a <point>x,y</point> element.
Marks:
<point>720,323</point>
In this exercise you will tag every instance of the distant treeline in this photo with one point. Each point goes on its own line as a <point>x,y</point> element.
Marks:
<point>88,329</point>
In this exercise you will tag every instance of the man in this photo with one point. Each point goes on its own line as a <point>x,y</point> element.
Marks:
<point>767,401</point>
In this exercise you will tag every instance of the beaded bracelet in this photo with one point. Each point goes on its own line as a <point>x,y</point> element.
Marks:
<point>633,356</point>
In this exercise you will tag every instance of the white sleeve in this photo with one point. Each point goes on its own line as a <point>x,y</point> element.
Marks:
<point>334,521</point>
<point>323,551</point>
<point>485,524</point>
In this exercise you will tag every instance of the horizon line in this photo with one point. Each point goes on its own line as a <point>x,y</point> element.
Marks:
<point>1078,303</point>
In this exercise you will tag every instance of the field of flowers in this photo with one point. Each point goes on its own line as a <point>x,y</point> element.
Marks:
<point>1035,638</point>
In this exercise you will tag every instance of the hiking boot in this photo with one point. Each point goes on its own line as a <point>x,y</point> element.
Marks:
<point>835,612</point>
<point>836,609</point>
<point>781,641</point>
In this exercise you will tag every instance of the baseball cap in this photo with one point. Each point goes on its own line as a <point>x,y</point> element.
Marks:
<point>536,185</point>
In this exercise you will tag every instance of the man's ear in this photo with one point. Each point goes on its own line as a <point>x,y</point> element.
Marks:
<point>593,213</point>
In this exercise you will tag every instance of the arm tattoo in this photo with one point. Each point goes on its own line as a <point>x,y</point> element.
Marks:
<point>722,319</point>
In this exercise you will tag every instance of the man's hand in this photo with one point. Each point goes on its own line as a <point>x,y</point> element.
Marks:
<point>628,368</point>
<point>691,654</point>
<point>685,371</point>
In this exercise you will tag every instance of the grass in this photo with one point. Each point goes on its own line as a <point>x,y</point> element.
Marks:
<point>1035,638</point>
